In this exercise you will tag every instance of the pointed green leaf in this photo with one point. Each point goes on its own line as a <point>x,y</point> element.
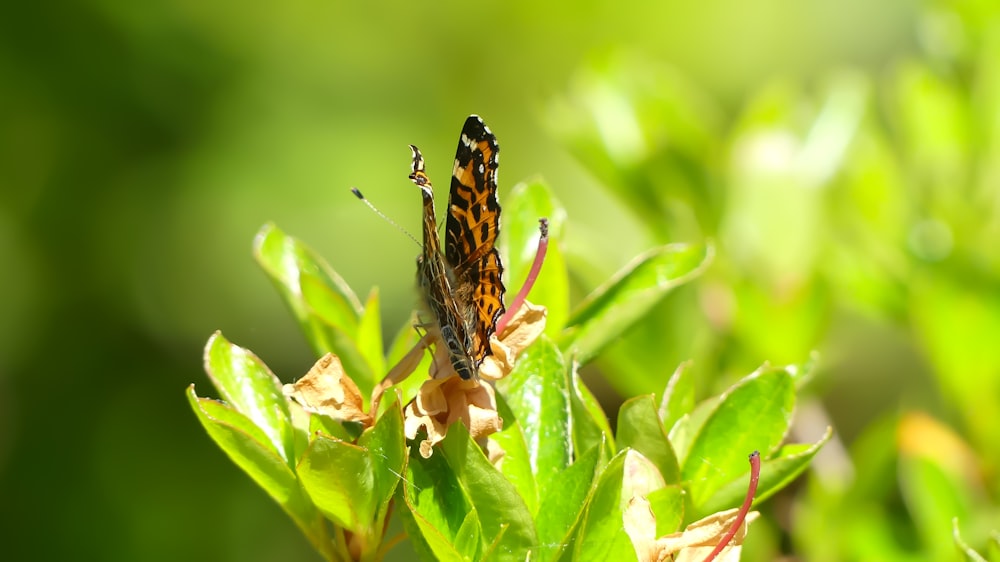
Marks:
<point>325,307</point>
<point>501,509</point>
<point>754,414</point>
<point>437,502</point>
<point>522,208</point>
<point>245,382</point>
<point>686,428</point>
<point>613,308</point>
<point>562,508</point>
<point>516,465</point>
<point>335,329</point>
<point>250,449</point>
<point>427,539</point>
<point>386,445</point>
<point>590,424</point>
<point>338,477</point>
<point>370,338</point>
<point>667,505</point>
<point>639,428</point>
<point>602,535</point>
<point>775,474</point>
<point>537,391</point>
<point>469,538</point>
<point>343,430</point>
<point>678,397</point>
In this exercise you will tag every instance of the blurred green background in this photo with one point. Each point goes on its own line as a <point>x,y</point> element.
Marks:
<point>844,156</point>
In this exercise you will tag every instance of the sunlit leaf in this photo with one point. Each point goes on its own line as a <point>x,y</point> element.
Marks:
<point>338,477</point>
<point>775,474</point>
<point>602,535</point>
<point>752,415</point>
<point>562,508</point>
<point>517,462</point>
<point>248,446</point>
<point>639,428</point>
<point>503,515</point>
<point>437,506</point>
<point>667,504</point>
<point>325,307</point>
<point>245,382</point>
<point>369,340</point>
<point>537,393</point>
<point>613,308</point>
<point>590,424</point>
<point>678,397</point>
<point>386,445</point>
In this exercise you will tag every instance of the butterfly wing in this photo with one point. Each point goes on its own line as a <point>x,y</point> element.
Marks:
<point>471,230</point>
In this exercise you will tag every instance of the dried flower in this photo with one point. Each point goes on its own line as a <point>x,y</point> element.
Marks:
<point>446,398</point>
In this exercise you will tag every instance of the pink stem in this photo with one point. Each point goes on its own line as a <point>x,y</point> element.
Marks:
<point>536,266</point>
<point>742,515</point>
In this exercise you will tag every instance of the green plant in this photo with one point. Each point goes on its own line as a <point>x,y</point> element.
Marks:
<point>557,483</point>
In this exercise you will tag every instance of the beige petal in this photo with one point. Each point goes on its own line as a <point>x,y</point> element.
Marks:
<point>528,323</point>
<point>699,538</point>
<point>326,389</point>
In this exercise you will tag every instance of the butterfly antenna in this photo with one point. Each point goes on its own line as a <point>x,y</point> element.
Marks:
<point>357,193</point>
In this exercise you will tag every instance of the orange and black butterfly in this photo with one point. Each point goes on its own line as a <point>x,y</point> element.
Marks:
<point>462,286</point>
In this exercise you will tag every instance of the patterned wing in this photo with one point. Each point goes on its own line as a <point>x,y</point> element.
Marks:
<point>434,278</point>
<point>471,230</point>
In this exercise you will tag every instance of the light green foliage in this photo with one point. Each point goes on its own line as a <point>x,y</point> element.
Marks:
<point>857,214</point>
<point>565,479</point>
<point>810,217</point>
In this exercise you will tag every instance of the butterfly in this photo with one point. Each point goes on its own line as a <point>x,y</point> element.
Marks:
<point>462,286</point>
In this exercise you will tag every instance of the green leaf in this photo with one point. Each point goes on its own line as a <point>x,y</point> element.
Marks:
<point>516,465</point>
<point>325,307</point>
<point>469,538</point>
<point>343,430</point>
<point>369,339</point>
<point>667,504</point>
<point>338,336</point>
<point>386,445</point>
<point>678,397</point>
<point>639,428</point>
<point>250,449</point>
<point>245,382</point>
<point>522,208</point>
<point>590,424</point>
<point>775,474</point>
<point>686,428</point>
<point>752,415</point>
<point>502,512</point>
<point>437,505</point>
<point>613,308</point>
<point>427,539</point>
<point>338,477</point>
<point>602,535</point>
<point>537,392</point>
<point>562,508</point>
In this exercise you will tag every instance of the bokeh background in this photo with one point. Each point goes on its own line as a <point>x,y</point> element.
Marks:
<point>844,157</point>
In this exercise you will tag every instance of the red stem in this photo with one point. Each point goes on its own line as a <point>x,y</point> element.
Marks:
<point>536,266</point>
<point>742,515</point>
